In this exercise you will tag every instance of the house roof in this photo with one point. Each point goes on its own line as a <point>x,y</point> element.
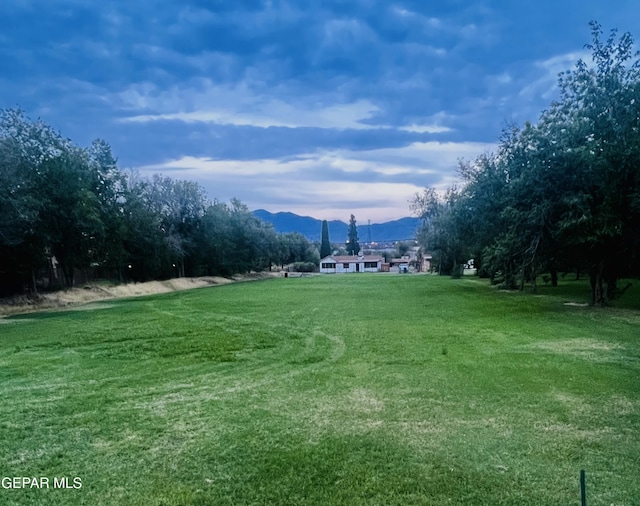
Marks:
<point>343,259</point>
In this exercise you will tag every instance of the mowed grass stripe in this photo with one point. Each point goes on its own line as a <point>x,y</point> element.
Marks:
<point>358,389</point>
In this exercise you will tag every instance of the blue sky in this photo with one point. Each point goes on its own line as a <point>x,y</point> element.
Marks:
<point>322,108</point>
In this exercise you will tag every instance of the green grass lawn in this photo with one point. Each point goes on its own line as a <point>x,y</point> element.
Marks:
<point>354,389</point>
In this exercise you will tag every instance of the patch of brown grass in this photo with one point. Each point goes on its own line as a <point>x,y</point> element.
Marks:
<point>95,292</point>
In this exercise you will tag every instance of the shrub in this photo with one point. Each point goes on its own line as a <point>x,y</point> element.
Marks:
<point>303,267</point>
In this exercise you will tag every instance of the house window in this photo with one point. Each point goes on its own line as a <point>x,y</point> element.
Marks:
<point>345,266</point>
<point>370,265</point>
<point>328,266</point>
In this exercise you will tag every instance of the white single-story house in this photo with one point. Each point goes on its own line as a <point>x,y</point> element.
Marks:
<point>334,264</point>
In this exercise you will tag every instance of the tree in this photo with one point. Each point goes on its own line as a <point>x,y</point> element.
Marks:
<point>216,242</point>
<point>181,205</point>
<point>71,214</point>
<point>353,246</point>
<point>108,184</point>
<point>325,246</point>
<point>72,206</point>
<point>296,248</point>
<point>602,103</point>
<point>444,223</point>
<point>560,194</point>
<point>402,248</point>
<point>21,247</point>
<point>25,146</point>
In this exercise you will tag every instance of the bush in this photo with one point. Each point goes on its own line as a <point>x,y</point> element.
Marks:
<point>303,267</point>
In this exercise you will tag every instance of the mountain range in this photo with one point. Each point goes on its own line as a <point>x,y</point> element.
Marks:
<point>285,222</point>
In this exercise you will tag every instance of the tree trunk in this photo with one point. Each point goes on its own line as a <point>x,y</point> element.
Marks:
<point>554,277</point>
<point>598,294</point>
<point>534,278</point>
<point>53,278</point>
<point>612,284</point>
<point>67,272</point>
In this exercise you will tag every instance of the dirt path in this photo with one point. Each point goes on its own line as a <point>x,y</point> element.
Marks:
<point>96,292</point>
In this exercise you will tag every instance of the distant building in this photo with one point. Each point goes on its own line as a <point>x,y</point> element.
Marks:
<point>399,264</point>
<point>337,264</point>
<point>425,262</point>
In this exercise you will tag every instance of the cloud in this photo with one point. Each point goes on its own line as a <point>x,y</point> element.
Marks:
<point>545,85</point>
<point>202,101</point>
<point>264,112</point>
<point>334,181</point>
<point>312,185</point>
<point>255,96</point>
<point>429,129</point>
<point>200,166</point>
<point>439,157</point>
<point>416,159</point>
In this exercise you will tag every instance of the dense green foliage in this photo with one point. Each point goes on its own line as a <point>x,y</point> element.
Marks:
<point>325,245</point>
<point>335,390</point>
<point>353,244</point>
<point>64,209</point>
<point>562,195</point>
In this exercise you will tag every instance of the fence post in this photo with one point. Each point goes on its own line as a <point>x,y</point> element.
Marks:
<point>583,489</point>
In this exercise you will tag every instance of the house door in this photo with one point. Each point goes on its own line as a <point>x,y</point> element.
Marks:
<point>357,267</point>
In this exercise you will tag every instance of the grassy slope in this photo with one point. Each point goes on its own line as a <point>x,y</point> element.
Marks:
<point>358,389</point>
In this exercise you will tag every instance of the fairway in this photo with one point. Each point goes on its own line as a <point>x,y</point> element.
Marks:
<point>371,389</point>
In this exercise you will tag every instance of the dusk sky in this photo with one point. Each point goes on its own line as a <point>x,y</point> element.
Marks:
<point>322,108</point>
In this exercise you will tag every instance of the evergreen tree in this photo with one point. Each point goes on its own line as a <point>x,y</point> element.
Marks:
<point>325,246</point>
<point>353,247</point>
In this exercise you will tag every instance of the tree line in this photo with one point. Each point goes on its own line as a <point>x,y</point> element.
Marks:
<point>559,196</point>
<point>65,210</point>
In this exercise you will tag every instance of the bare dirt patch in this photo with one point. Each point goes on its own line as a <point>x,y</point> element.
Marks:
<point>89,293</point>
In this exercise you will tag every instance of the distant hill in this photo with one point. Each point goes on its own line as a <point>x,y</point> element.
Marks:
<point>397,230</point>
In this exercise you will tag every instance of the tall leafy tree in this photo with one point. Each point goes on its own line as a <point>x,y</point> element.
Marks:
<point>562,194</point>
<point>22,248</point>
<point>108,184</point>
<point>181,205</point>
<point>24,147</point>
<point>71,219</point>
<point>56,175</point>
<point>442,229</point>
<point>216,242</point>
<point>602,103</point>
<point>147,255</point>
<point>73,208</point>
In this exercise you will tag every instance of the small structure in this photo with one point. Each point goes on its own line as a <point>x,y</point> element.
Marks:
<point>399,264</point>
<point>338,264</point>
<point>425,262</point>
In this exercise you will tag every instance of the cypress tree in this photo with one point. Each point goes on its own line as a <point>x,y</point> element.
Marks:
<point>353,247</point>
<point>325,246</point>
